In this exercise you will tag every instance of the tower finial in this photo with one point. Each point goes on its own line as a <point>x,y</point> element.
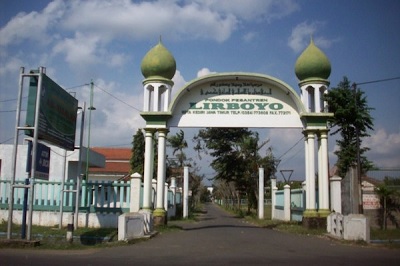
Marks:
<point>160,41</point>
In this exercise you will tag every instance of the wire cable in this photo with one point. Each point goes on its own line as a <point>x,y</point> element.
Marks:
<point>78,86</point>
<point>376,81</point>
<point>7,140</point>
<point>117,98</point>
<point>291,148</point>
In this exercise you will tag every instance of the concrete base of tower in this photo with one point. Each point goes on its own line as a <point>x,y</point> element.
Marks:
<point>312,219</point>
<point>310,213</point>
<point>323,213</point>
<point>314,222</point>
<point>160,217</point>
<point>148,220</point>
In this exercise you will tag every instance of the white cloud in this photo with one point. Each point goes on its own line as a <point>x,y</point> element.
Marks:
<point>33,25</point>
<point>287,146</point>
<point>204,71</point>
<point>117,60</point>
<point>179,82</point>
<point>136,20</point>
<point>83,32</point>
<point>115,112</point>
<point>253,10</point>
<point>384,148</point>
<point>302,33</point>
<point>284,139</point>
<point>10,66</point>
<point>214,20</point>
<point>249,36</point>
<point>80,50</point>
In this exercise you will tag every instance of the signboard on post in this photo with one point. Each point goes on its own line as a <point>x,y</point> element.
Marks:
<point>42,164</point>
<point>57,118</point>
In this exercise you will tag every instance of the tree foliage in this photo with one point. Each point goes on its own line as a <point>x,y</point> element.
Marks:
<point>138,153</point>
<point>390,201</point>
<point>138,149</point>
<point>352,118</point>
<point>178,143</point>
<point>237,158</point>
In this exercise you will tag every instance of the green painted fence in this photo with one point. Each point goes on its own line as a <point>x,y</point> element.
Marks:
<point>95,196</point>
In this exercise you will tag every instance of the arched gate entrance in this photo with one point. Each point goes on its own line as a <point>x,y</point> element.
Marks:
<point>234,100</point>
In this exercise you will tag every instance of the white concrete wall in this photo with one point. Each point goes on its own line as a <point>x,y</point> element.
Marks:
<point>57,162</point>
<point>349,227</point>
<point>279,214</point>
<point>92,220</point>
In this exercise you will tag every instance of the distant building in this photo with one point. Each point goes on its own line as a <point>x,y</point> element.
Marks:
<point>116,167</point>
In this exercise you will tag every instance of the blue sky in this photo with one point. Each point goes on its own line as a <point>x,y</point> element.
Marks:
<point>78,41</point>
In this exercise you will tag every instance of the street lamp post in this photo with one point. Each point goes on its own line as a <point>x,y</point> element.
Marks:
<point>90,108</point>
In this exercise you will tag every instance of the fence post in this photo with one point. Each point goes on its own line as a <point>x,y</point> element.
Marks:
<point>84,194</point>
<point>273,197</point>
<point>136,181</point>
<point>185,192</point>
<point>166,196</point>
<point>260,193</point>
<point>336,194</point>
<point>173,189</point>
<point>287,205</point>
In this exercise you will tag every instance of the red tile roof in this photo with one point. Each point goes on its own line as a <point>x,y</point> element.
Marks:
<point>117,160</point>
<point>113,168</point>
<point>114,153</point>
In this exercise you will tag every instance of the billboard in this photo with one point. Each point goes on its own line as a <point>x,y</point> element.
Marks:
<point>57,113</point>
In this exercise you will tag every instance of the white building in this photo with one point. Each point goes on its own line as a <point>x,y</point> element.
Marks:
<point>62,163</point>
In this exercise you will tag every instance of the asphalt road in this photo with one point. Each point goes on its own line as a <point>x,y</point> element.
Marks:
<point>217,239</point>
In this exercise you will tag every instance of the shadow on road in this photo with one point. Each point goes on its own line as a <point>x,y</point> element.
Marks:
<point>218,226</point>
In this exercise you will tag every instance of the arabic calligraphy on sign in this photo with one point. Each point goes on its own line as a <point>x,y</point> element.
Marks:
<point>233,88</point>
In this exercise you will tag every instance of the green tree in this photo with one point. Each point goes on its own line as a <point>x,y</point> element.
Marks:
<point>178,144</point>
<point>390,201</point>
<point>352,120</point>
<point>223,145</point>
<point>138,149</point>
<point>236,153</point>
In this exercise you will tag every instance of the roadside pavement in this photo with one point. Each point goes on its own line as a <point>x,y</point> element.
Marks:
<point>218,238</point>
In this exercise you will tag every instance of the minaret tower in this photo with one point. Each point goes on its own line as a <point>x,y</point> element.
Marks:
<point>313,68</point>
<point>158,67</point>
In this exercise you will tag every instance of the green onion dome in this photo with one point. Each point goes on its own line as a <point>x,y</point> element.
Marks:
<point>312,64</point>
<point>158,62</point>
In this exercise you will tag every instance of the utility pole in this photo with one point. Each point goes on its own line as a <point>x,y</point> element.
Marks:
<point>358,161</point>
<point>90,108</point>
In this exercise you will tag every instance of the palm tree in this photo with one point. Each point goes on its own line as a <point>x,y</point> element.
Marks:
<point>387,199</point>
<point>178,143</point>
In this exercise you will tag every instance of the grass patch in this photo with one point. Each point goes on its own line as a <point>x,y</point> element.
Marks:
<point>389,238</point>
<point>290,227</point>
<point>389,234</point>
<point>55,238</point>
<point>83,238</point>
